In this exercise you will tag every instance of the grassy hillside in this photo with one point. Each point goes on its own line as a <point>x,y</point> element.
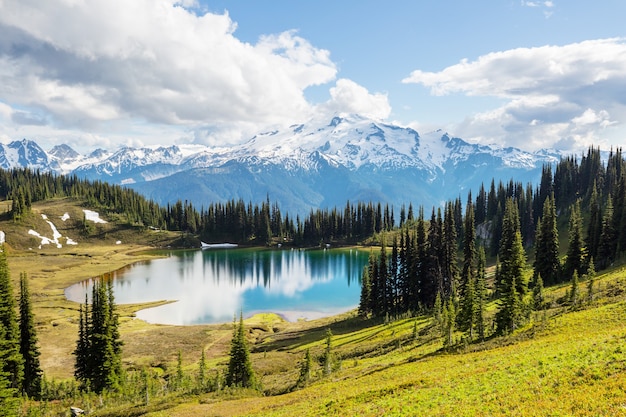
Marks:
<point>51,269</point>
<point>568,361</point>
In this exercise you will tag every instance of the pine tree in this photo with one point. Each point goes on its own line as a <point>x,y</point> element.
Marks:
<point>28,343</point>
<point>365,301</point>
<point>431,277</point>
<point>591,275</point>
<point>393,281</point>
<point>423,287</point>
<point>10,352</point>
<point>467,283</point>
<point>449,321</point>
<point>438,312</point>
<point>9,403</point>
<point>538,297</point>
<point>375,289</point>
<point>404,272</point>
<point>574,295</point>
<point>104,338</point>
<point>481,293</point>
<point>178,385</point>
<point>202,368</point>
<point>98,348</point>
<point>240,372</point>
<point>305,370</point>
<point>575,257</point>
<point>328,359</point>
<point>450,245</point>
<point>547,262</point>
<point>496,230</point>
<point>383,302</point>
<point>608,237</point>
<point>594,227</point>
<point>82,366</point>
<point>512,283</point>
<point>467,313</point>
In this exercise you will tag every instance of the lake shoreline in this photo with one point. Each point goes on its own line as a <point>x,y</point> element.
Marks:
<point>51,271</point>
<point>211,285</point>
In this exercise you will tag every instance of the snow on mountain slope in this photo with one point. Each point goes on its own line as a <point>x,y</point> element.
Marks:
<point>350,141</point>
<point>319,163</point>
<point>23,153</point>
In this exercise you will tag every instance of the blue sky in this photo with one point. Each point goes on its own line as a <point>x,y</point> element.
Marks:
<point>530,74</point>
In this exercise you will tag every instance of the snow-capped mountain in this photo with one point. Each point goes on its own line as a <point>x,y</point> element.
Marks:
<point>302,166</point>
<point>24,153</point>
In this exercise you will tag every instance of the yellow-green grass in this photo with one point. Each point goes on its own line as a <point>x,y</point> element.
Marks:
<point>566,363</point>
<point>51,270</point>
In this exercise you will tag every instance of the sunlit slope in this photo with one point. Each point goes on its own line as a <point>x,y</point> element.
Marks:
<point>566,363</point>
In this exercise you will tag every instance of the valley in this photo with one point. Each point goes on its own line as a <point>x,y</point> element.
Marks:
<point>400,367</point>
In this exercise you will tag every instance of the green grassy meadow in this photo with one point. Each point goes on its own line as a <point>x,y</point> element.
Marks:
<point>568,362</point>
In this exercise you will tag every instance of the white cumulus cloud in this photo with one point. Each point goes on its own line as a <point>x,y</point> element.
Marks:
<point>350,97</point>
<point>110,64</point>
<point>572,93</point>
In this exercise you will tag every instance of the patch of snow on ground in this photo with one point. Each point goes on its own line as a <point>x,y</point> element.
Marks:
<point>93,216</point>
<point>65,217</point>
<point>56,235</point>
<point>44,240</point>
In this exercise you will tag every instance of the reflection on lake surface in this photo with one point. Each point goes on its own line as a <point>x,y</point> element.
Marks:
<point>212,286</point>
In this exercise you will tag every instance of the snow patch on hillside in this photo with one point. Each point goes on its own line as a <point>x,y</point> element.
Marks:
<point>56,235</point>
<point>93,216</point>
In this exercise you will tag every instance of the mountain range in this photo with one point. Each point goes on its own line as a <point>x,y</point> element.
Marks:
<point>301,167</point>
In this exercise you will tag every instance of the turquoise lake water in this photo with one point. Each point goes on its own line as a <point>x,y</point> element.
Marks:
<point>211,286</point>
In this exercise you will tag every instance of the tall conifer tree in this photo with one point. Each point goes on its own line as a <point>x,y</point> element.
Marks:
<point>576,252</point>
<point>467,282</point>
<point>240,372</point>
<point>382,294</point>
<point>9,403</point>
<point>10,351</point>
<point>594,227</point>
<point>481,293</point>
<point>423,284</point>
<point>365,301</point>
<point>608,237</point>
<point>82,365</point>
<point>547,262</point>
<point>450,246</point>
<point>513,286</point>
<point>28,343</point>
<point>98,348</point>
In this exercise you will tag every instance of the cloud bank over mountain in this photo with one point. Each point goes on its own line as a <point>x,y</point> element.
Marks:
<point>110,73</point>
<point>126,64</point>
<point>572,92</point>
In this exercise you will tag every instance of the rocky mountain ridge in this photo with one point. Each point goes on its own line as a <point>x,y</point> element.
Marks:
<point>302,167</point>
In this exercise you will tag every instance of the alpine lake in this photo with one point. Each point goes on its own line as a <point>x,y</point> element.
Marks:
<point>215,285</point>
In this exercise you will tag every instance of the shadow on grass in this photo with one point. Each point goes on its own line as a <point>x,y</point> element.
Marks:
<point>293,340</point>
